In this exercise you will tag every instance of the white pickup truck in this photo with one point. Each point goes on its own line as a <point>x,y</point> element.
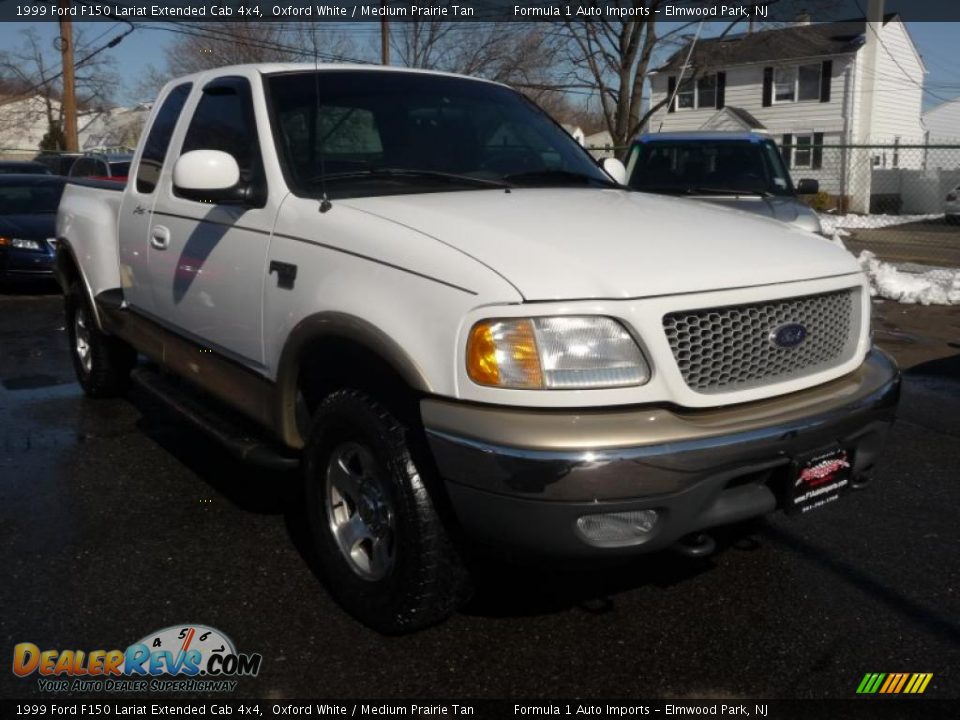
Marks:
<point>418,288</point>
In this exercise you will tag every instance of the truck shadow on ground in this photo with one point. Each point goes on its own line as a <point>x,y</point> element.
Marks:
<point>945,370</point>
<point>504,586</point>
<point>875,587</point>
<point>519,587</point>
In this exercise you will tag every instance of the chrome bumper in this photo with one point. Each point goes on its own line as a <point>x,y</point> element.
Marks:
<point>523,477</point>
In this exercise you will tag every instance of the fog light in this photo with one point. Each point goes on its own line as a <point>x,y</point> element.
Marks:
<point>618,529</point>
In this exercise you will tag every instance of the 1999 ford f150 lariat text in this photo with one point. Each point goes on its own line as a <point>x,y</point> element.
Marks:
<point>423,292</point>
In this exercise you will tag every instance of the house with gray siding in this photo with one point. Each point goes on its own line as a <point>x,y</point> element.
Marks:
<point>810,86</point>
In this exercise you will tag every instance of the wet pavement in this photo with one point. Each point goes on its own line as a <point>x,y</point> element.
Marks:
<point>116,521</point>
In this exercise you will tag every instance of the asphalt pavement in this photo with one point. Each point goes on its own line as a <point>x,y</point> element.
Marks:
<point>927,242</point>
<point>116,521</point>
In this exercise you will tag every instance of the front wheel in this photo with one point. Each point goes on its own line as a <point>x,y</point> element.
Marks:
<point>102,363</point>
<point>384,551</point>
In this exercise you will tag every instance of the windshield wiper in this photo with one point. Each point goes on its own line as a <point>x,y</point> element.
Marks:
<point>687,190</point>
<point>559,177</point>
<point>408,173</point>
<point>727,191</point>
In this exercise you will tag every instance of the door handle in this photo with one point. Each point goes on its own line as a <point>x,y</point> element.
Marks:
<point>159,237</point>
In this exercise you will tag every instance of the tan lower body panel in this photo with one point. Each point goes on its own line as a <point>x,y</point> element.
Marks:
<point>234,385</point>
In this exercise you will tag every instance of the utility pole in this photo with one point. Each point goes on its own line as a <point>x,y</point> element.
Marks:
<point>69,87</point>
<point>384,35</point>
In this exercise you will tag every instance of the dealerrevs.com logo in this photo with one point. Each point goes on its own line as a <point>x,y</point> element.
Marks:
<point>180,658</point>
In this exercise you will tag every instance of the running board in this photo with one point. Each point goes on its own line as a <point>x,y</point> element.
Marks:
<point>218,425</point>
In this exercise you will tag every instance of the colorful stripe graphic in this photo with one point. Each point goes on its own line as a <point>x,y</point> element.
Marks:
<point>894,683</point>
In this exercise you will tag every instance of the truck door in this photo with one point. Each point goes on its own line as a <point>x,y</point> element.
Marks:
<point>133,224</point>
<point>207,261</point>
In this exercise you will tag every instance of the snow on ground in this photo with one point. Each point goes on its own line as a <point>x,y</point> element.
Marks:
<point>832,222</point>
<point>935,286</point>
<point>908,283</point>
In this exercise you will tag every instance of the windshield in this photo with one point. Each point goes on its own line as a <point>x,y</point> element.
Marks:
<point>30,198</point>
<point>691,166</point>
<point>365,133</point>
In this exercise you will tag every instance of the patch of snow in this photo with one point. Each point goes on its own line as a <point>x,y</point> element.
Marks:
<point>935,286</point>
<point>830,222</point>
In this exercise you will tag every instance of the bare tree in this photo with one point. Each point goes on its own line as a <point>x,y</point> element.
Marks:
<point>520,54</point>
<point>34,71</point>
<point>612,58</point>
<point>215,44</point>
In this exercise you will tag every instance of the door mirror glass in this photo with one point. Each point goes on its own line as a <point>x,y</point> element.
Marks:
<point>615,169</point>
<point>808,187</point>
<point>208,176</point>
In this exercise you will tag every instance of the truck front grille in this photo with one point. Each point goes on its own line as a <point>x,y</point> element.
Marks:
<point>731,348</point>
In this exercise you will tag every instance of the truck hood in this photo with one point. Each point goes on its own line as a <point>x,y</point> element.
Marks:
<point>785,209</point>
<point>557,244</point>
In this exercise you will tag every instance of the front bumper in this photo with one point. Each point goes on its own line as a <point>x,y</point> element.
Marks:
<point>17,263</point>
<point>521,478</point>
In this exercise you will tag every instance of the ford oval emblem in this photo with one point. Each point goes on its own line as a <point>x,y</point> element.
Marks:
<point>789,335</point>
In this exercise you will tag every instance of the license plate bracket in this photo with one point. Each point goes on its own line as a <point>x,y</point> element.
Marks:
<point>818,479</point>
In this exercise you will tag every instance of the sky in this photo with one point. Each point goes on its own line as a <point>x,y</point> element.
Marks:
<point>937,41</point>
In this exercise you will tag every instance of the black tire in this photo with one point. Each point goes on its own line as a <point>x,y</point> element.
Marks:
<point>423,580</point>
<point>103,365</point>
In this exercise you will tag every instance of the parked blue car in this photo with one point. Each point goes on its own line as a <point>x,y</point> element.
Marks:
<point>28,215</point>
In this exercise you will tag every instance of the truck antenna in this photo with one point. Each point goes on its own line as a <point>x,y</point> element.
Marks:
<point>325,203</point>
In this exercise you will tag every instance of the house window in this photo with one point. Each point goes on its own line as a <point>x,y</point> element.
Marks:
<point>686,94</point>
<point>808,82</point>
<point>699,93</point>
<point>803,151</point>
<point>797,83</point>
<point>707,91</point>
<point>785,84</point>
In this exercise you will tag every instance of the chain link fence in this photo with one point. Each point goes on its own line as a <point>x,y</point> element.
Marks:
<point>901,202</point>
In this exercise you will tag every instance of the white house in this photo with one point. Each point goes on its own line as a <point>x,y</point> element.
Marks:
<point>23,123</point>
<point>809,85</point>
<point>115,127</point>
<point>575,132</point>
<point>943,123</point>
<point>600,144</point>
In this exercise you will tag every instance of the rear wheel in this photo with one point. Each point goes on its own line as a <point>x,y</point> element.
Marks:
<point>384,551</point>
<point>102,363</point>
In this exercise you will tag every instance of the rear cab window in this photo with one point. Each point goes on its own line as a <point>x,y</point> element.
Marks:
<point>158,140</point>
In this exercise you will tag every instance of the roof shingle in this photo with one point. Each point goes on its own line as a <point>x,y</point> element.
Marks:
<point>789,43</point>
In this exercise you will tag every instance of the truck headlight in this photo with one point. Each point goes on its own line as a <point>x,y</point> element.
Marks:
<point>561,353</point>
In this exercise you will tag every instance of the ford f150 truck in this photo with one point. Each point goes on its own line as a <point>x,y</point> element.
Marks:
<point>421,291</point>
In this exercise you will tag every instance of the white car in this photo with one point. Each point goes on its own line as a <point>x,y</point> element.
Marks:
<point>951,206</point>
<point>429,297</point>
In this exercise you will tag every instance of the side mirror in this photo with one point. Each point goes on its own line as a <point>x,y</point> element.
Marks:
<point>808,187</point>
<point>208,176</point>
<point>615,169</point>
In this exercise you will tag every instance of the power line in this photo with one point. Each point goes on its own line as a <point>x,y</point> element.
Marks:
<point>79,63</point>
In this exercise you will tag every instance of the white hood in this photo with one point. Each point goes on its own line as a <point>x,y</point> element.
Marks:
<point>564,244</point>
